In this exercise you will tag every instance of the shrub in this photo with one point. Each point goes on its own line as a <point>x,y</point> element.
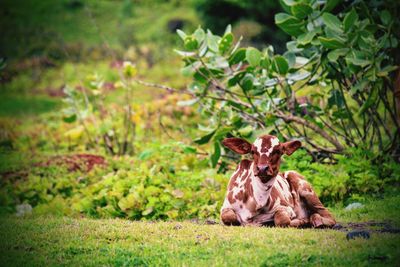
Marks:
<point>332,87</point>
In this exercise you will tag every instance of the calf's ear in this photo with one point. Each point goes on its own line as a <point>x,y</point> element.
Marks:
<point>290,147</point>
<point>237,145</point>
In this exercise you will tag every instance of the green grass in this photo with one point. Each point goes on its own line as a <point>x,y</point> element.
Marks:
<point>385,209</point>
<point>48,241</point>
<point>45,241</point>
<point>21,106</point>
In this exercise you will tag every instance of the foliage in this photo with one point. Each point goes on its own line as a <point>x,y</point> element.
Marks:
<point>354,176</point>
<point>171,182</point>
<point>331,88</point>
<point>163,182</point>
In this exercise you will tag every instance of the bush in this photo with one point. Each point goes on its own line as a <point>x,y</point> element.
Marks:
<point>171,182</point>
<point>332,88</point>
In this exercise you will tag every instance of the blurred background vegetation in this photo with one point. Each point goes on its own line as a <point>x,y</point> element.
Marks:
<point>79,135</point>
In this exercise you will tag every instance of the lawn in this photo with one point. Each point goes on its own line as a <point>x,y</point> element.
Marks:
<point>44,241</point>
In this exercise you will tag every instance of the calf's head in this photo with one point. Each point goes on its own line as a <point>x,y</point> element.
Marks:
<point>266,151</point>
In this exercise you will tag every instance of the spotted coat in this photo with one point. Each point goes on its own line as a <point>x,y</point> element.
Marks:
<point>285,199</point>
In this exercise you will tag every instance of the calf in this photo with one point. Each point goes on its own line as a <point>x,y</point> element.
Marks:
<point>258,194</point>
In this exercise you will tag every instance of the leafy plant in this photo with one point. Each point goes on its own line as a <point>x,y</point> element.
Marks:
<point>116,135</point>
<point>332,88</point>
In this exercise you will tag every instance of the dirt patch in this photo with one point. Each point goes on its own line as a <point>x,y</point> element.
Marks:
<point>370,226</point>
<point>78,162</point>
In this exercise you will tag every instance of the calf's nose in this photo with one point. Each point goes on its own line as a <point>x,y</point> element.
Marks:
<point>262,168</point>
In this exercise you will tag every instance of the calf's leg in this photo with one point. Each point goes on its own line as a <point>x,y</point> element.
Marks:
<point>320,217</point>
<point>299,222</point>
<point>229,217</point>
<point>282,218</point>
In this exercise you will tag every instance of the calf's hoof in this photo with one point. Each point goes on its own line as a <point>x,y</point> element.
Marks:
<point>228,217</point>
<point>316,221</point>
<point>281,219</point>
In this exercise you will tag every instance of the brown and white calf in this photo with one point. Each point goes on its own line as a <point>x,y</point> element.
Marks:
<point>258,194</point>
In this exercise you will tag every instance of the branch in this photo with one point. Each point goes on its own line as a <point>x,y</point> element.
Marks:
<point>291,118</point>
<point>168,88</point>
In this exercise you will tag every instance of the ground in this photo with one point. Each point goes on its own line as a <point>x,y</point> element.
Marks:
<point>44,241</point>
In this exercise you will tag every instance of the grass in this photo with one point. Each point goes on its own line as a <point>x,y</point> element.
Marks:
<point>20,106</point>
<point>48,241</point>
<point>45,241</point>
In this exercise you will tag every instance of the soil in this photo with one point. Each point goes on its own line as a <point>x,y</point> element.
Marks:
<point>78,162</point>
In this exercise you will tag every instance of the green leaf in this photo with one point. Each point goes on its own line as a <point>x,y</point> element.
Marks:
<point>350,19</point>
<point>146,154</point>
<point>331,4</point>
<point>127,202</point>
<point>147,211</point>
<point>235,79</point>
<point>336,98</point>
<point>228,29</point>
<point>358,58</point>
<point>386,18</point>
<point>332,22</point>
<point>225,43</point>
<point>191,43</point>
<point>201,76</point>
<point>221,132</point>
<point>216,155</point>
<point>298,76</point>
<point>358,61</point>
<point>237,57</point>
<point>335,54</point>
<point>199,34</point>
<point>189,150</point>
<point>301,61</point>
<point>301,10</point>
<point>181,34</point>
<point>289,24</point>
<point>184,53</point>
<point>331,43</point>
<point>204,139</point>
<point>247,82</point>
<point>386,70</point>
<point>70,119</point>
<point>253,56</point>
<point>286,4</point>
<point>271,82</point>
<point>189,102</point>
<point>305,38</point>
<point>245,131</point>
<point>359,87</point>
<point>265,62</point>
<point>371,74</point>
<point>212,41</point>
<point>291,58</point>
<point>280,65</point>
